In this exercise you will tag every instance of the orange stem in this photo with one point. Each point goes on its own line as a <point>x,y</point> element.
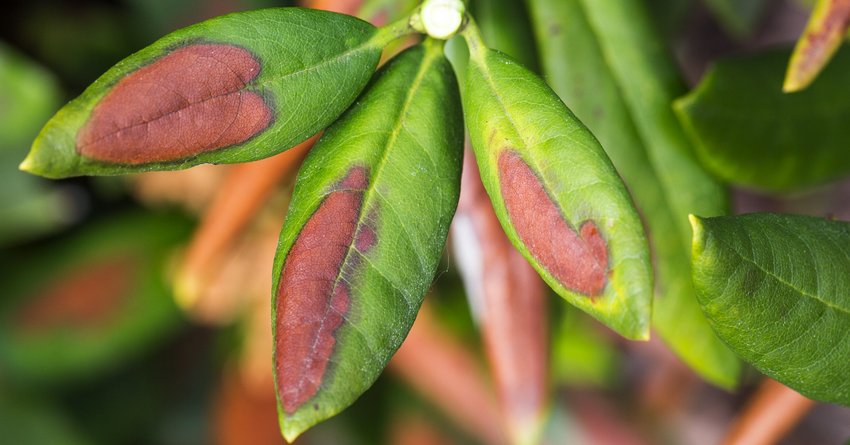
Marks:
<point>771,413</point>
<point>245,189</point>
<point>445,372</point>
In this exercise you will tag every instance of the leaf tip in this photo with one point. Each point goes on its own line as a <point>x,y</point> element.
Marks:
<point>793,82</point>
<point>28,165</point>
<point>699,232</point>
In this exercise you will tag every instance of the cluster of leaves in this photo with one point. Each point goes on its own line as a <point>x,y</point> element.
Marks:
<point>374,199</point>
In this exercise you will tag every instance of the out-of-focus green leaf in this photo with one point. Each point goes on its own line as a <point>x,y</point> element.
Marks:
<point>581,355</point>
<point>823,35</point>
<point>505,26</point>
<point>28,422</point>
<point>72,309</point>
<point>738,17</point>
<point>28,95</point>
<point>231,89</point>
<point>554,190</point>
<point>775,289</point>
<point>602,95</point>
<point>363,238</point>
<point>669,15</point>
<point>749,133</point>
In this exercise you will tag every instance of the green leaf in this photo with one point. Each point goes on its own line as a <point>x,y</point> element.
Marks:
<point>88,302</point>
<point>364,235</point>
<point>28,95</point>
<point>505,26</point>
<point>822,37</point>
<point>554,190</point>
<point>579,70</point>
<point>774,288</point>
<point>749,133</point>
<point>231,89</point>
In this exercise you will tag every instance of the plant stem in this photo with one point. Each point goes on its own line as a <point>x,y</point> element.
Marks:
<point>393,31</point>
<point>244,191</point>
<point>445,372</point>
<point>771,413</point>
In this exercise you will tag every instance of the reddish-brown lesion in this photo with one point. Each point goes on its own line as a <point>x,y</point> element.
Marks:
<point>190,101</point>
<point>87,296</point>
<point>313,294</point>
<point>578,260</point>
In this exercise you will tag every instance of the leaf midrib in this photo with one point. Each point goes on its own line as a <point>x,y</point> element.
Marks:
<point>784,282</point>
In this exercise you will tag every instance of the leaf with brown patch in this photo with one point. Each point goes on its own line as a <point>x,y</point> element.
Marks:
<point>236,88</point>
<point>555,192</point>
<point>89,301</point>
<point>364,235</point>
<point>826,30</point>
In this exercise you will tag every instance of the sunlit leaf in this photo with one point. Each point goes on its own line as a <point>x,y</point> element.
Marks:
<point>774,288</point>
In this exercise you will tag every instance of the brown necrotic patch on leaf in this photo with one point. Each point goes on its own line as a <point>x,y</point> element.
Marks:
<point>313,295</point>
<point>579,261</point>
<point>85,297</point>
<point>190,101</point>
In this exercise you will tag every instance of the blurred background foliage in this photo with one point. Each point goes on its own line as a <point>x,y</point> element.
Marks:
<point>95,349</point>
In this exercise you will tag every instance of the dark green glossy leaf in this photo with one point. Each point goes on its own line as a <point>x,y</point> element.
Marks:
<point>88,302</point>
<point>749,133</point>
<point>579,71</point>
<point>774,288</point>
<point>28,95</point>
<point>231,89</point>
<point>555,191</point>
<point>363,238</point>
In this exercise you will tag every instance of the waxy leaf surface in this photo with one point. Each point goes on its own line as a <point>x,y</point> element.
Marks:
<point>556,193</point>
<point>750,133</point>
<point>231,89</point>
<point>87,302</point>
<point>774,287</point>
<point>361,243</point>
<point>579,71</point>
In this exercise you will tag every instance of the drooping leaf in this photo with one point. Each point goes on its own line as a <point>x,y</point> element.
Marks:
<point>774,288</point>
<point>507,296</point>
<point>360,246</point>
<point>231,89</point>
<point>609,64</point>
<point>558,197</point>
<point>749,133</point>
<point>823,35</point>
<point>91,301</point>
<point>28,94</point>
<point>738,17</point>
